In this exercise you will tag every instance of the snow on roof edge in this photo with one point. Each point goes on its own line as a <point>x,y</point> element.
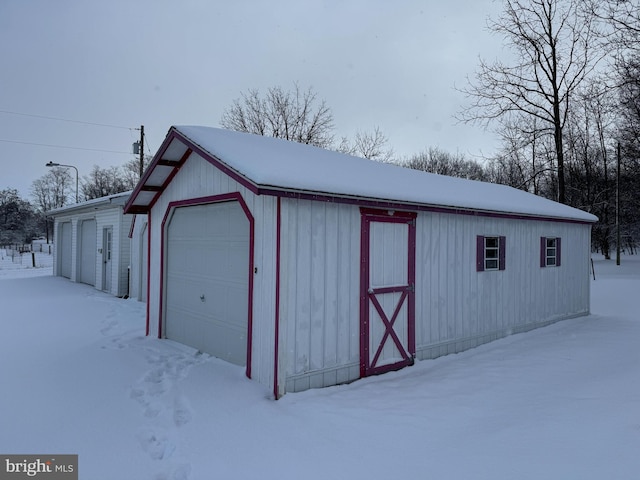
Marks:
<point>283,165</point>
<point>106,200</point>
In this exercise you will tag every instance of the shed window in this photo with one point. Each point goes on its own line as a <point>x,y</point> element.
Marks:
<point>490,253</point>
<point>550,252</point>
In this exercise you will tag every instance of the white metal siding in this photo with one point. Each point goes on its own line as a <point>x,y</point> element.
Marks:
<point>144,266</point>
<point>80,238</point>
<point>124,253</point>
<point>120,250</point>
<point>138,259</point>
<point>87,254</point>
<point>459,308</point>
<point>456,307</point>
<point>319,298</point>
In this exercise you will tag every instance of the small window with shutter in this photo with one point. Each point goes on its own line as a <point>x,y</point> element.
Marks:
<point>550,252</point>
<point>490,253</point>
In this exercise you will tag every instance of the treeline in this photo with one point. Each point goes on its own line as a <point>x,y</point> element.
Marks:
<point>22,220</point>
<point>567,110</point>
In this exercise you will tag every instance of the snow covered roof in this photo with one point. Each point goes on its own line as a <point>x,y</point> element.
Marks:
<point>272,166</point>
<point>93,204</point>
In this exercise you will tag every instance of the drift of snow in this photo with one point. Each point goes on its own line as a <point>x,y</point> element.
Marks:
<point>79,376</point>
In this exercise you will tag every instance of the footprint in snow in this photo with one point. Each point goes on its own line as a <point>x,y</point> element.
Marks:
<point>181,472</point>
<point>182,412</point>
<point>157,446</point>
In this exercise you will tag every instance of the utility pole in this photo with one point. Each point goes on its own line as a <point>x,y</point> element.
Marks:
<point>141,150</point>
<point>618,209</point>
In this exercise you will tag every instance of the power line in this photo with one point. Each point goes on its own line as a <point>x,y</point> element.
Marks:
<point>63,146</point>
<point>67,120</point>
<point>147,145</point>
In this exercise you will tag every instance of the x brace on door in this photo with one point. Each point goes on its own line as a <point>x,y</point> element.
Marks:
<point>397,331</point>
<point>389,331</point>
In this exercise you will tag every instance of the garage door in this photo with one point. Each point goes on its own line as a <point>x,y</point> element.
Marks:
<point>88,235</point>
<point>64,249</point>
<point>207,265</point>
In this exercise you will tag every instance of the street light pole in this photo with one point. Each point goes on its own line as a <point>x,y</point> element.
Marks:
<point>52,164</point>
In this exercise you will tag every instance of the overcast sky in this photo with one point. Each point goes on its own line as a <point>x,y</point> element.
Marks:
<point>157,63</point>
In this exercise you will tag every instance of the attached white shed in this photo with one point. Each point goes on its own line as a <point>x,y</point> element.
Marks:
<point>92,244</point>
<point>314,268</point>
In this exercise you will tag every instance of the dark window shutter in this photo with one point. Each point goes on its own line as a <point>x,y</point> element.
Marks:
<point>543,252</point>
<point>479,253</point>
<point>558,251</point>
<point>502,253</point>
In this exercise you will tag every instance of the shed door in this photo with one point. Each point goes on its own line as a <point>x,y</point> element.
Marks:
<point>64,249</point>
<point>387,299</point>
<point>207,278</point>
<point>88,247</point>
<point>107,250</point>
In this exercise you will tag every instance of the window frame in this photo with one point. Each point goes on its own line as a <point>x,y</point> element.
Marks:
<point>481,253</point>
<point>545,248</point>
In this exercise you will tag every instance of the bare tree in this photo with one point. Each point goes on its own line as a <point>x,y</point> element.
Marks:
<point>435,160</point>
<point>624,18</point>
<point>526,160</point>
<point>298,116</point>
<point>370,145</point>
<point>50,191</point>
<point>17,218</point>
<point>105,181</point>
<point>555,49</point>
<point>131,171</point>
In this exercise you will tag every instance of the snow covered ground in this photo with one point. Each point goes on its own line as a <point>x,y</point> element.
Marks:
<point>562,402</point>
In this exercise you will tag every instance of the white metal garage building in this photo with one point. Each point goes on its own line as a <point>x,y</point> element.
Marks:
<point>314,268</point>
<point>92,244</point>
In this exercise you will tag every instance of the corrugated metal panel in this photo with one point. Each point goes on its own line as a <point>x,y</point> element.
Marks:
<point>457,307</point>
<point>117,281</point>
<point>320,292</point>
<point>124,253</point>
<point>139,247</point>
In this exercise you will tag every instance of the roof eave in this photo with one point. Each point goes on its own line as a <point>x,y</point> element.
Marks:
<point>155,190</point>
<point>152,191</point>
<point>102,203</point>
<point>394,204</point>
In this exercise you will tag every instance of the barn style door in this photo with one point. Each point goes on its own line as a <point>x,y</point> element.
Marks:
<point>387,291</point>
